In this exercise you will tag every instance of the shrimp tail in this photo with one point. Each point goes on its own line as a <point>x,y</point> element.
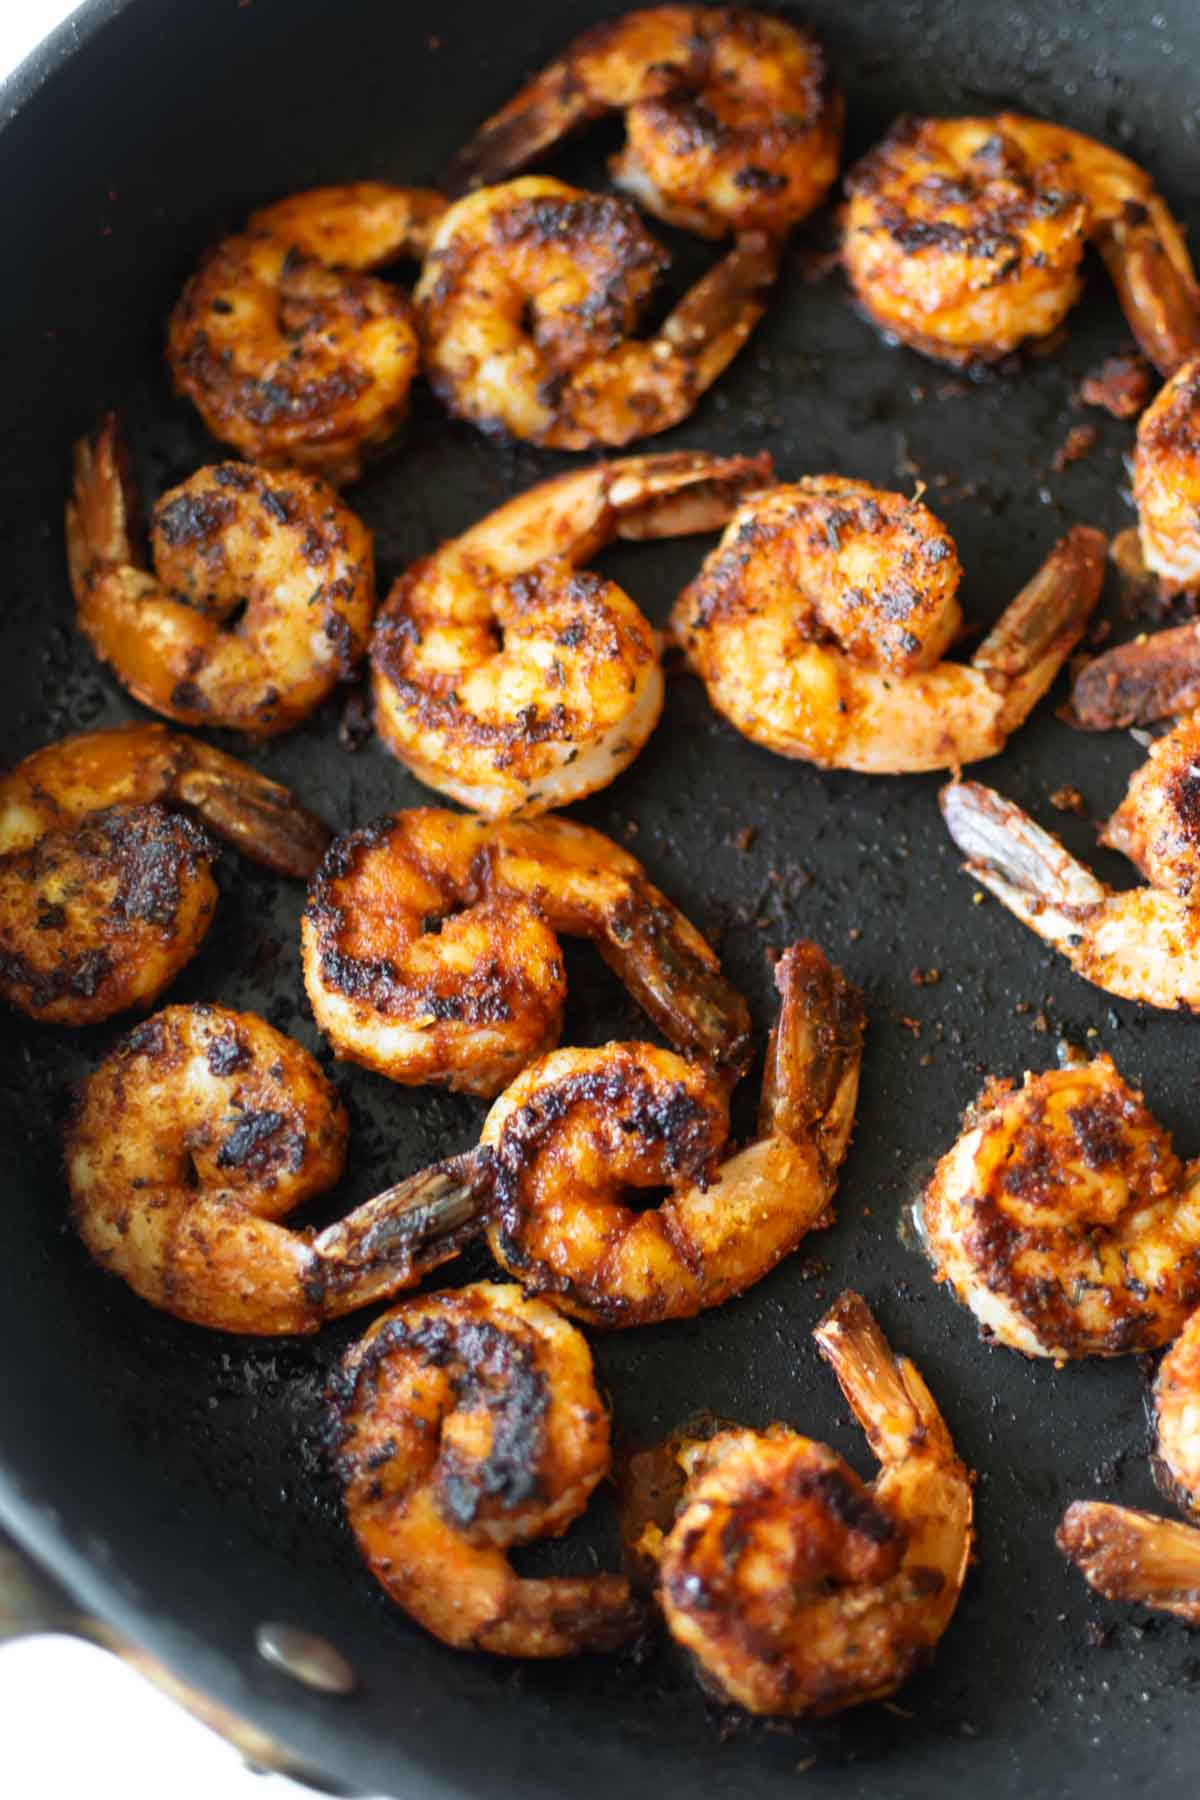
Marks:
<point>1150,270</point>
<point>647,945</point>
<point>810,1083</point>
<point>392,1241</point>
<point>678,493</point>
<point>103,519</point>
<point>1033,637</point>
<point>1134,1556</point>
<point>714,318</point>
<point>1023,866</point>
<point>886,1392</point>
<point>545,110</point>
<point>1153,678</point>
<point>260,818</point>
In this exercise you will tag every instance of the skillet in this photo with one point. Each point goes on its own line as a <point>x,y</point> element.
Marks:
<point>175,1480</point>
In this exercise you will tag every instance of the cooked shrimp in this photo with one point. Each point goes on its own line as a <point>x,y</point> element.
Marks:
<point>106,887</point>
<point>1142,944</point>
<point>467,1424</point>
<point>798,1589</point>
<point>189,1144</point>
<point>1157,825</point>
<point>732,120</point>
<point>1134,1556</point>
<point>964,238</point>
<point>1166,481</point>
<point>289,359</point>
<point>511,679</point>
<point>278,544</point>
<point>1177,1415</point>
<point>819,621</point>
<point>1063,1218</point>
<point>581,1128</point>
<point>430,952</point>
<point>527,301</point>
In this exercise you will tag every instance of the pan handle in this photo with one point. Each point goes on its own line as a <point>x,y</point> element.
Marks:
<point>31,1601</point>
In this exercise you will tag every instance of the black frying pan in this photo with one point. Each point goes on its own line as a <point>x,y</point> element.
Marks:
<point>175,1479</point>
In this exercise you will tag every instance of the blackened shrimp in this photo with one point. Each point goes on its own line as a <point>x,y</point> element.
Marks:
<point>509,677</point>
<point>289,358</point>
<point>964,238</point>
<point>1137,1556</point>
<point>1142,943</point>
<point>106,889</point>
<point>467,1424</point>
<point>573,1135</point>
<point>819,622</point>
<point>1063,1218</point>
<point>527,301</point>
<point>260,599</point>
<point>430,951</point>
<point>798,1589</point>
<point>732,120</point>
<point>190,1144</point>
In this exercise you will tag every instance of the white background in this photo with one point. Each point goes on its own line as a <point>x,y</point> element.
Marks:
<point>73,1720</point>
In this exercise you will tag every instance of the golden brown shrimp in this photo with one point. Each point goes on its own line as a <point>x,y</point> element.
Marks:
<point>1134,1556</point>
<point>798,1589</point>
<point>430,952</point>
<point>195,1138</point>
<point>279,544</point>
<point>581,1128</point>
<point>819,622</point>
<point>1063,1218</point>
<point>1141,944</point>
<point>964,238</point>
<point>732,120</point>
<point>106,889</point>
<point>294,361</point>
<point>527,300</point>
<point>469,1423</point>
<point>510,678</point>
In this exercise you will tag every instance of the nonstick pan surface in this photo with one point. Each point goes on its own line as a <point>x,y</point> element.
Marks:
<point>177,1477</point>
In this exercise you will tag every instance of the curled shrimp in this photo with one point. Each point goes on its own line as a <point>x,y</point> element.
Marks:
<point>797,1588</point>
<point>1063,1218</point>
<point>1141,944</point>
<point>260,599</point>
<point>527,300</point>
<point>195,1138</point>
<point>1136,1556</point>
<point>290,359</point>
<point>732,120</point>
<point>106,887</point>
<point>509,677</point>
<point>430,952</point>
<point>964,238</point>
<point>581,1128</point>
<point>819,622</point>
<point>468,1423</point>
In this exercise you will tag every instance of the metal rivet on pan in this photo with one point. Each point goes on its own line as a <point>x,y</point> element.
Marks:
<point>305,1657</point>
